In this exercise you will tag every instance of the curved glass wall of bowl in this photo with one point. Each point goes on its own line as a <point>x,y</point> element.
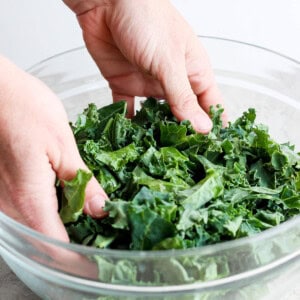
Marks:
<point>250,76</point>
<point>263,79</point>
<point>251,266</point>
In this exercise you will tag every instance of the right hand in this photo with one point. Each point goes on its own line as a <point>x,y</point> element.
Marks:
<point>146,48</point>
<point>36,147</point>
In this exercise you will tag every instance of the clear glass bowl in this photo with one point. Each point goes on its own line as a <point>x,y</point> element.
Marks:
<point>265,266</point>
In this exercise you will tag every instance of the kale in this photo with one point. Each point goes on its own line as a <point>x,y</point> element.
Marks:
<point>170,187</point>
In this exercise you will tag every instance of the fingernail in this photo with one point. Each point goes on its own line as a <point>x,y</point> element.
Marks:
<point>95,206</point>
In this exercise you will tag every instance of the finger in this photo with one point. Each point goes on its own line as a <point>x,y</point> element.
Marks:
<point>202,79</point>
<point>130,102</point>
<point>43,216</point>
<point>69,163</point>
<point>152,87</point>
<point>95,198</point>
<point>43,220</point>
<point>48,221</point>
<point>212,97</point>
<point>208,93</point>
<point>35,201</point>
<point>181,97</point>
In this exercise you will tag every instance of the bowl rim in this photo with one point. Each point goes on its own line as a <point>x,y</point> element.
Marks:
<point>203,250</point>
<point>159,253</point>
<point>65,279</point>
<point>207,37</point>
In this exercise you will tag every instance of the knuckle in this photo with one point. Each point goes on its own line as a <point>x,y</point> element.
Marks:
<point>202,80</point>
<point>185,101</point>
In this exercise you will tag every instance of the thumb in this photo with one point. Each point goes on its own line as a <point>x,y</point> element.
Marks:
<point>182,100</point>
<point>95,196</point>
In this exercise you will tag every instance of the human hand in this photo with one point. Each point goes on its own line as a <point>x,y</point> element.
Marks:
<point>145,48</point>
<point>36,146</point>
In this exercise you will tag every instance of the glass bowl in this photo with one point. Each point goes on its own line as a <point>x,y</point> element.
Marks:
<point>264,266</point>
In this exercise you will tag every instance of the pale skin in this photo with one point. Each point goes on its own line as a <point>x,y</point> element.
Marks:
<point>135,47</point>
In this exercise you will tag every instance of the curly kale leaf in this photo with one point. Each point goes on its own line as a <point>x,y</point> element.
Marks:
<point>170,187</point>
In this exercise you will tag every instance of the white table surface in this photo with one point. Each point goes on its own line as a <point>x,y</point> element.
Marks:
<point>33,30</point>
<point>11,288</point>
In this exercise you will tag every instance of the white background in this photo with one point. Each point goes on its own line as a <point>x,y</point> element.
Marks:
<point>32,30</point>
